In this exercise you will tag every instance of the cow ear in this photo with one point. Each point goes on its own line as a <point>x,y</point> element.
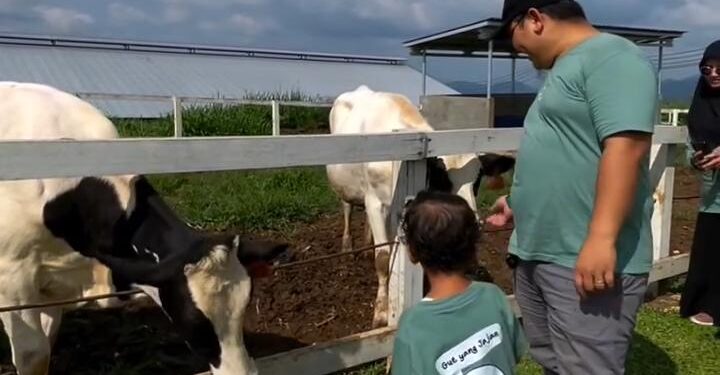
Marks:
<point>435,164</point>
<point>236,243</point>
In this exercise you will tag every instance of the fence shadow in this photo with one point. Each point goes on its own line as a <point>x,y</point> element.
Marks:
<point>646,358</point>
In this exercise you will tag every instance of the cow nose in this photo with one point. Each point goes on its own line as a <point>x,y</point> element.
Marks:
<point>285,257</point>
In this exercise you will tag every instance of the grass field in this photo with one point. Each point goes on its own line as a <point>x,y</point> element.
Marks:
<point>247,200</point>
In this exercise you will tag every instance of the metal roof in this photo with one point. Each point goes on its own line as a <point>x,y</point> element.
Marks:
<point>144,68</point>
<point>473,40</point>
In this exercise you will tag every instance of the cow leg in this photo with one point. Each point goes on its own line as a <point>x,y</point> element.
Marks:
<point>347,243</point>
<point>29,345</point>
<point>368,231</point>
<point>377,216</point>
<point>50,319</point>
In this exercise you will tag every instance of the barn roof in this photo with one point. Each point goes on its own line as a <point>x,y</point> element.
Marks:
<point>147,68</point>
<point>473,39</point>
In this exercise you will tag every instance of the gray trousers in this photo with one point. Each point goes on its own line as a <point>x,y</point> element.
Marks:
<point>568,336</point>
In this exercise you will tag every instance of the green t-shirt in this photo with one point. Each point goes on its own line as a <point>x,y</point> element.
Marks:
<point>473,333</point>
<point>709,186</point>
<point>603,86</point>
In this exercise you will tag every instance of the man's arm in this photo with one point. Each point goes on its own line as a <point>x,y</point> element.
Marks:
<point>622,158</point>
<point>622,95</point>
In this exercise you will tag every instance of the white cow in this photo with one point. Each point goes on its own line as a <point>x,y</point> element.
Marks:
<point>50,230</point>
<point>371,184</point>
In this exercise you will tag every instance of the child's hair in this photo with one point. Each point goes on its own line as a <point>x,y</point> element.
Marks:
<point>441,231</point>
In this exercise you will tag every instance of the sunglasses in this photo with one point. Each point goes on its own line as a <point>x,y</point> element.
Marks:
<point>706,70</point>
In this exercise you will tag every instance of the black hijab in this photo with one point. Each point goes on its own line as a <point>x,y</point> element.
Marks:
<point>704,116</point>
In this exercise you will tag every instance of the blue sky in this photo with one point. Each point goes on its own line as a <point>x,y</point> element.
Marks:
<point>343,26</point>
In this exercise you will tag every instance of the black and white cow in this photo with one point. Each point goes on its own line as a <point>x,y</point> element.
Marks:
<point>52,230</point>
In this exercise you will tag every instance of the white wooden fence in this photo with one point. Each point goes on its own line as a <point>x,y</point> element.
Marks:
<point>671,116</point>
<point>65,158</point>
<point>177,105</point>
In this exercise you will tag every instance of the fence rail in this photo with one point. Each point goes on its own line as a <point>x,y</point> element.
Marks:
<point>673,115</point>
<point>72,158</point>
<point>178,101</point>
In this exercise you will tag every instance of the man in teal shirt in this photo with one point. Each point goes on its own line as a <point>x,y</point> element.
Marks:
<point>581,198</point>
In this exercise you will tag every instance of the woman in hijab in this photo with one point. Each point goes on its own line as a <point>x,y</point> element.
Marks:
<point>700,299</point>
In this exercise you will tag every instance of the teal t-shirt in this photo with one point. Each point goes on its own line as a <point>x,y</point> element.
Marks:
<point>709,186</point>
<point>473,333</point>
<point>601,87</point>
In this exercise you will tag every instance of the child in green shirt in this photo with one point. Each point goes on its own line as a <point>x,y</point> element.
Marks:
<point>461,327</point>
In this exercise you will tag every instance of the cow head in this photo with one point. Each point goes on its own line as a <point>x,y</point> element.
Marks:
<point>462,174</point>
<point>203,281</point>
<point>493,166</point>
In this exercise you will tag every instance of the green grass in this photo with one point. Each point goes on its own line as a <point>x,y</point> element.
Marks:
<point>663,344</point>
<point>277,199</point>
<point>249,200</point>
<point>274,199</point>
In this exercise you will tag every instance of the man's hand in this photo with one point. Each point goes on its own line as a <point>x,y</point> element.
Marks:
<point>501,213</point>
<point>710,161</point>
<point>595,267</point>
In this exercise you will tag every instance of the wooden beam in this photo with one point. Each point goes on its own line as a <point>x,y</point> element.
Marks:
<point>69,158</point>
<point>670,267</point>
<point>406,279</point>
<point>330,356</point>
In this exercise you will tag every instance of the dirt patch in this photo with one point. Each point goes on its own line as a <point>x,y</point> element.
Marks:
<point>296,307</point>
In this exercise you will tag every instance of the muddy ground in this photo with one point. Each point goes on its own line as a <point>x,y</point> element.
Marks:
<point>298,306</point>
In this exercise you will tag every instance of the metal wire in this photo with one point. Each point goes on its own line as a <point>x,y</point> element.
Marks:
<point>69,301</point>
<point>332,256</point>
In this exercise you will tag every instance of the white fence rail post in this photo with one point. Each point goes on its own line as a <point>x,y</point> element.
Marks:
<point>275,118</point>
<point>662,179</point>
<point>177,116</point>
<point>406,279</point>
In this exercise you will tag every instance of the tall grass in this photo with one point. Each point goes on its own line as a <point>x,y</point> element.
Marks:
<point>231,119</point>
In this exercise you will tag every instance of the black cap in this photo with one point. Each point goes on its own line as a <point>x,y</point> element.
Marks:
<point>514,8</point>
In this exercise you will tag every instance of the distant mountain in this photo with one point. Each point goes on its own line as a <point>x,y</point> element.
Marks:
<point>679,90</point>
<point>673,90</point>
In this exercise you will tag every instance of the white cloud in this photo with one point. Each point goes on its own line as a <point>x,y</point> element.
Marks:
<point>124,13</point>
<point>242,24</point>
<point>212,3</point>
<point>247,25</point>
<point>175,14</point>
<point>63,19</point>
<point>688,13</point>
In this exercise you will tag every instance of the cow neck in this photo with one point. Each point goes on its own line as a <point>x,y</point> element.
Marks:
<point>157,232</point>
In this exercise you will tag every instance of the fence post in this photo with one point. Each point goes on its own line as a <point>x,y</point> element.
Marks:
<point>177,116</point>
<point>662,179</point>
<point>275,118</point>
<point>406,279</point>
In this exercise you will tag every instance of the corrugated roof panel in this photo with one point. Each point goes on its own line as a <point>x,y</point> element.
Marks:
<point>155,73</point>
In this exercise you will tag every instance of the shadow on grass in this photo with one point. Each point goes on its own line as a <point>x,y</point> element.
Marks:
<point>647,358</point>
